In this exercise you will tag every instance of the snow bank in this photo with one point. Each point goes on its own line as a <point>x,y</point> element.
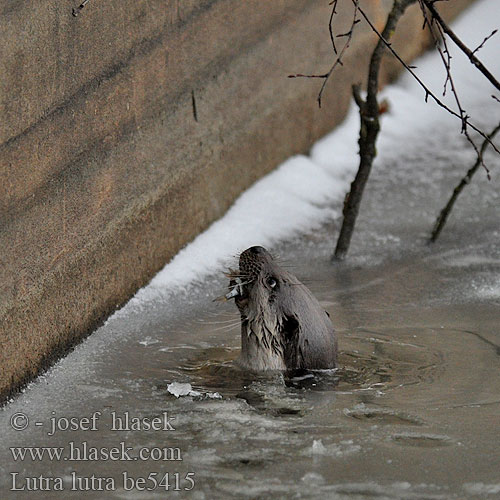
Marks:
<point>310,186</point>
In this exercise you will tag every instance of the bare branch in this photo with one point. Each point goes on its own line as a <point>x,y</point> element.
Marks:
<point>300,75</point>
<point>428,92</point>
<point>370,126</point>
<point>330,27</point>
<point>469,53</point>
<point>445,212</point>
<point>356,93</point>
<point>444,53</point>
<point>338,60</point>
<point>76,11</point>
<point>479,47</point>
<point>370,110</point>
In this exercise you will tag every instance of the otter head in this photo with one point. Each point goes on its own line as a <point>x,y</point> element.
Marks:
<point>259,279</point>
<point>282,324</point>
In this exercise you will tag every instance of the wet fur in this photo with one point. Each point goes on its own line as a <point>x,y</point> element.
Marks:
<point>283,327</point>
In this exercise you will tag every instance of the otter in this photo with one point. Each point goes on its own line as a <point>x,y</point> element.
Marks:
<point>283,326</point>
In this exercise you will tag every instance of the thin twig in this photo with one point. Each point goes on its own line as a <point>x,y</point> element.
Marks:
<point>445,212</point>
<point>330,27</point>
<point>76,11</point>
<point>444,53</point>
<point>481,45</point>
<point>428,92</point>
<point>469,53</point>
<point>338,60</point>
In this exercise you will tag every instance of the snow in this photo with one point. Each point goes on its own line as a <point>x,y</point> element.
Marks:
<point>309,186</point>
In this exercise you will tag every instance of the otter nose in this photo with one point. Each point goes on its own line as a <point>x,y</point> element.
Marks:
<point>257,250</point>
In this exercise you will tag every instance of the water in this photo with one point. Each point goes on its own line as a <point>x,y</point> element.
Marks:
<point>411,412</point>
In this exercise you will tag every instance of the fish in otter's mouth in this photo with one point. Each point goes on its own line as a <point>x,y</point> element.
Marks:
<point>283,326</point>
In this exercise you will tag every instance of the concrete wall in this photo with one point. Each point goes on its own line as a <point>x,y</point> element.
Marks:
<point>127,130</point>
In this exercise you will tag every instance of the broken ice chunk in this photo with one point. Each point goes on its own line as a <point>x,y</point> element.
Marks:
<point>179,389</point>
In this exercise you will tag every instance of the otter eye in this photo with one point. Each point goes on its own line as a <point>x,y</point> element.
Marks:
<point>272,282</point>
